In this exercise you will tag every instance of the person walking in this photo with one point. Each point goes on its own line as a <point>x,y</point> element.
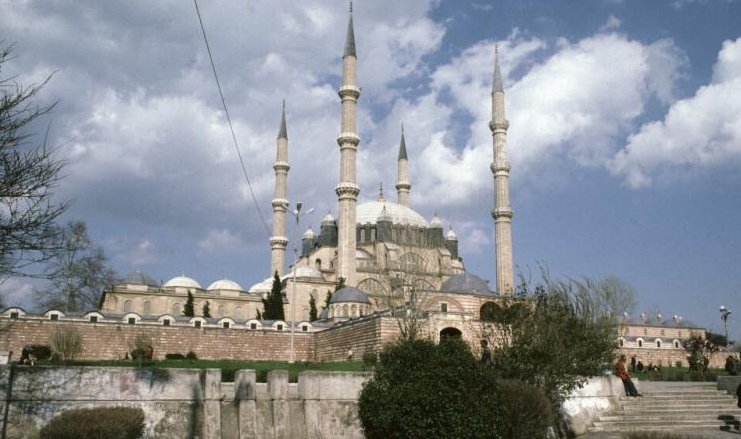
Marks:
<point>633,363</point>
<point>622,373</point>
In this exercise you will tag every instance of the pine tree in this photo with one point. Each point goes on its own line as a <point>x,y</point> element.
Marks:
<point>312,308</point>
<point>189,308</point>
<point>206,310</point>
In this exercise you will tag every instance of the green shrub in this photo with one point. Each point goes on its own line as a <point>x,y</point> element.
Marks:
<point>191,356</point>
<point>369,360</point>
<point>527,410</point>
<point>137,354</point>
<point>174,357</point>
<point>98,423</point>
<point>40,351</point>
<point>425,390</point>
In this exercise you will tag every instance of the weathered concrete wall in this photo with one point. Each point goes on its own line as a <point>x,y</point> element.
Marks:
<point>598,396</point>
<point>188,403</point>
<point>176,402</point>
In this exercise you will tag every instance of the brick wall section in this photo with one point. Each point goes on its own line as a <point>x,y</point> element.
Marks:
<point>670,356</point>
<point>108,341</point>
<point>369,334</point>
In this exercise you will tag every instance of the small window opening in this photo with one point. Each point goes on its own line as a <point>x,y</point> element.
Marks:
<point>305,328</point>
<point>253,325</point>
<point>658,343</point>
<point>226,325</point>
<point>54,317</point>
<point>444,307</point>
<point>640,343</point>
<point>197,323</point>
<point>14,316</point>
<point>93,319</point>
<point>166,322</point>
<point>132,320</point>
<point>280,327</point>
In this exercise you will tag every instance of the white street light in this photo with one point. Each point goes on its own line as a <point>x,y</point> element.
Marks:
<point>297,214</point>
<point>724,313</point>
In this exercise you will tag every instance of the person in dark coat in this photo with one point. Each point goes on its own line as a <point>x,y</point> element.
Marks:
<point>633,364</point>
<point>738,395</point>
<point>622,373</point>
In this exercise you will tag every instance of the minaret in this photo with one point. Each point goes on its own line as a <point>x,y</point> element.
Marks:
<point>279,241</point>
<point>502,212</point>
<point>348,190</point>
<point>403,185</point>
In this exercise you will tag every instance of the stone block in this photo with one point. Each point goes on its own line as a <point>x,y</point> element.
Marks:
<point>278,384</point>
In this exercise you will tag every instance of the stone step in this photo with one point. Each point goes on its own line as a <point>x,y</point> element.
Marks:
<point>685,392</point>
<point>734,411</point>
<point>700,426</point>
<point>676,423</point>
<point>636,407</point>
<point>709,416</point>
<point>665,398</point>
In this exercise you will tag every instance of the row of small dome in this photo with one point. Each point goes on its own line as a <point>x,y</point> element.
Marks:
<point>373,211</point>
<point>139,278</point>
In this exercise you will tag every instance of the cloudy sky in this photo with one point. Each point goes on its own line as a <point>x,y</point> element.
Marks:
<point>625,130</point>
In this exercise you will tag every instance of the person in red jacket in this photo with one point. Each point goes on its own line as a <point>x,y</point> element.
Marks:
<point>622,373</point>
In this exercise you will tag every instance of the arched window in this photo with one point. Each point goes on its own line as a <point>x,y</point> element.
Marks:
<point>658,343</point>
<point>621,342</point>
<point>176,309</point>
<point>640,343</point>
<point>127,306</point>
<point>147,307</point>
<point>318,264</point>
<point>450,333</point>
<point>354,311</point>
<point>345,310</point>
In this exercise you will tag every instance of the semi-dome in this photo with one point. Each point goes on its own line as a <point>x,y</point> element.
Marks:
<point>304,271</point>
<point>182,281</point>
<point>139,278</point>
<point>368,213</point>
<point>349,294</point>
<point>225,284</point>
<point>466,283</point>
<point>262,287</point>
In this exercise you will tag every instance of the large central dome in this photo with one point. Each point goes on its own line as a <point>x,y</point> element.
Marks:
<point>370,212</point>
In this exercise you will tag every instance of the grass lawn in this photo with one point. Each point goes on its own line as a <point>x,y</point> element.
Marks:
<point>229,367</point>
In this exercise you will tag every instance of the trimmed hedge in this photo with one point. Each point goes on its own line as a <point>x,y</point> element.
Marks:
<point>97,423</point>
<point>174,357</point>
<point>40,351</point>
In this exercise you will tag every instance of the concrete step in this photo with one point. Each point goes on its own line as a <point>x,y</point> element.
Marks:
<point>699,426</point>
<point>636,407</point>
<point>676,423</point>
<point>686,392</point>
<point>732,411</point>
<point>668,399</point>
<point>670,417</point>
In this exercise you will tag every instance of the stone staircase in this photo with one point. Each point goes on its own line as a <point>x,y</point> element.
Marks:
<point>673,406</point>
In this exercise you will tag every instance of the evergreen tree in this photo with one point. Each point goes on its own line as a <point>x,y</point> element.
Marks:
<point>259,315</point>
<point>273,305</point>
<point>206,310</point>
<point>189,308</point>
<point>326,300</point>
<point>312,308</point>
<point>340,284</point>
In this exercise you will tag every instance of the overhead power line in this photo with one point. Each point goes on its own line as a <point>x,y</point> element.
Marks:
<point>229,119</point>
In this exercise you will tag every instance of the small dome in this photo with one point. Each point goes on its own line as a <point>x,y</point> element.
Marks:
<point>436,223</point>
<point>262,287</point>
<point>451,236</point>
<point>466,283</point>
<point>225,284</point>
<point>349,294</point>
<point>182,281</point>
<point>328,218</point>
<point>309,234</point>
<point>139,278</point>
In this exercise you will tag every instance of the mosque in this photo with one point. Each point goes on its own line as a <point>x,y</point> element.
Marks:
<point>382,251</point>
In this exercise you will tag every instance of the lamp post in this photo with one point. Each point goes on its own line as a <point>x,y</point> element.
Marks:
<point>724,313</point>
<point>297,214</point>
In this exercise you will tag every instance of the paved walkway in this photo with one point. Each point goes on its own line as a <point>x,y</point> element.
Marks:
<point>710,434</point>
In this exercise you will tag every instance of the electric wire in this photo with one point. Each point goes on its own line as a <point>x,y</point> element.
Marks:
<point>229,119</point>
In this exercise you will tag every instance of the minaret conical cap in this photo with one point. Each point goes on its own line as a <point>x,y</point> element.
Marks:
<point>497,84</point>
<point>402,146</point>
<point>350,38</point>
<point>283,132</point>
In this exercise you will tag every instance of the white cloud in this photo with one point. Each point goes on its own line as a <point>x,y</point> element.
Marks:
<point>612,23</point>
<point>143,254</point>
<point>699,132</point>
<point>17,292</point>
<point>219,241</point>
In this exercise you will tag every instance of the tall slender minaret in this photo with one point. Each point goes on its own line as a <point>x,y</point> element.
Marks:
<point>279,241</point>
<point>502,212</point>
<point>402,184</point>
<point>348,190</point>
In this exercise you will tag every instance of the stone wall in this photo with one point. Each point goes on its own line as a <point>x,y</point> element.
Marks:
<point>107,341</point>
<point>669,356</point>
<point>187,403</point>
<point>368,334</point>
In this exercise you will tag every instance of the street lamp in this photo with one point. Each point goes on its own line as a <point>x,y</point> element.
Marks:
<point>724,313</point>
<point>297,214</point>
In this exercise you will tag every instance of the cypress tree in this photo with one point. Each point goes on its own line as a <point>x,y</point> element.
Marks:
<point>273,305</point>
<point>206,310</point>
<point>188,309</point>
<point>312,308</point>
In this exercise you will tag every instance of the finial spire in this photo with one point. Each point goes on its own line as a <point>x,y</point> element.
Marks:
<point>497,84</point>
<point>283,132</point>
<point>350,38</point>
<point>402,145</point>
<point>380,192</point>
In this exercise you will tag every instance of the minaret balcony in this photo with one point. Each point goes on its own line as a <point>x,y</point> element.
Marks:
<point>502,212</point>
<point>498,126</point>
<point>349,92</point>
<point>281,166</point>
<point>403,185</point>
<point>348,139</point>
<point>347,190</point>
<point>500,169</point>
<point>278,242</point>
<point>280,204</point>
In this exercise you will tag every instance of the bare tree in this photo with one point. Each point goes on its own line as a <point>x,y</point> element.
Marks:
<point>28,174</point>
<point>79,272</point>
